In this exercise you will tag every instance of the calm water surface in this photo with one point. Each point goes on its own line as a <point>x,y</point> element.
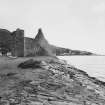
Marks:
<point>93,65</point>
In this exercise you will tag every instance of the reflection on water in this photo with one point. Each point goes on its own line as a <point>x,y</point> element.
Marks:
<point>93,65</point>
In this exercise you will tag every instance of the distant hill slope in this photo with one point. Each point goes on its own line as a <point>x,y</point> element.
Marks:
<point>66,52</point>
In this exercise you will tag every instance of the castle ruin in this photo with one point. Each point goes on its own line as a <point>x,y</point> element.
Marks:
<point>21,46</point>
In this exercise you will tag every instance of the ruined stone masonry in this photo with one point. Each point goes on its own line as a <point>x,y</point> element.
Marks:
<point>13,42</point>
<point>27,45</point>
<point>18,40</point>
<point>23,46</point>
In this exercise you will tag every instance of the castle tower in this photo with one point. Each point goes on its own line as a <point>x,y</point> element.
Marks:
<point>18,40</point>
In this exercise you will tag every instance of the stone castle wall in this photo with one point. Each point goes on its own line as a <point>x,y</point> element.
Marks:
<point>18,43</point>
<point>23,46</point>
<point>28,48</point>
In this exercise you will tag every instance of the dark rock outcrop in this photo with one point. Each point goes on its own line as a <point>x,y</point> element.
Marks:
<point>30,64</point>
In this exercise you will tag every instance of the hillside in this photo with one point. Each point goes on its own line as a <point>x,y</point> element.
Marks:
<point>47,81</point>
<point>67,52</point>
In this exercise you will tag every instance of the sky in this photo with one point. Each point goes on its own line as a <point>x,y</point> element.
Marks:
<point>74,24</point>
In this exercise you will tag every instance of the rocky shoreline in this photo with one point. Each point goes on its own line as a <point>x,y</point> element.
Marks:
<point>50,82</point>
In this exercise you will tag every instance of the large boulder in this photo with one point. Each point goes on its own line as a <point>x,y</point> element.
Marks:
<point>30,64</point>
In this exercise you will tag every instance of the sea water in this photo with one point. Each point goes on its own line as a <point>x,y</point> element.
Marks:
<point>93,65</point>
